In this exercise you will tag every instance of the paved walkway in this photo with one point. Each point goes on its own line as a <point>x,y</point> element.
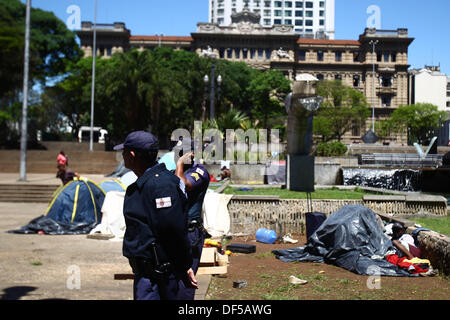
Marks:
<point>41,262</point>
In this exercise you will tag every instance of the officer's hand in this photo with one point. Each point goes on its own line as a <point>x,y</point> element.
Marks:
<point>191,278</point>
<point>186,158</point>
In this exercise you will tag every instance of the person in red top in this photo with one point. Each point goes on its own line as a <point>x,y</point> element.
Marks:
<point>62,159</point>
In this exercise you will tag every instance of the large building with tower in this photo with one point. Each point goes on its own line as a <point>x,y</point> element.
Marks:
<point>278,47</point>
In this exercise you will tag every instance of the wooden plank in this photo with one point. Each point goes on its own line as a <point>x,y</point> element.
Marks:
<point>100,236</point>
<point>208,256</point>
<point>123,276</point>
<point>212,270</point>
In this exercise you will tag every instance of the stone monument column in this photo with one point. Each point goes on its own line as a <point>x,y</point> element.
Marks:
<point>300,106</point>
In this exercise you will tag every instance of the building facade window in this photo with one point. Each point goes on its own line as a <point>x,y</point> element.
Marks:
<point>309,4</point>
<point>386,81</point>
<point>299,22</point>
<point>386,101</point>
<point>302,55</point>
<point>299,13</point>
<point>356,129</point>
<point>298,4</point>
<point>338,56</point>
<point>319,55</point>
<point>309,23</point>
<point>320,77</point>
<point>356,81</point>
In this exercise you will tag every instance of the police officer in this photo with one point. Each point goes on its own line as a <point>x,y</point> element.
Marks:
<point>196,179</point>
<point>155,240</point>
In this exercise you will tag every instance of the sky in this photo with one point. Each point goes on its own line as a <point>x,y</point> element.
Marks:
<point>427,21</point>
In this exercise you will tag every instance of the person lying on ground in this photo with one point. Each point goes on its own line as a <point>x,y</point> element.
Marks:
<point>403,242</point>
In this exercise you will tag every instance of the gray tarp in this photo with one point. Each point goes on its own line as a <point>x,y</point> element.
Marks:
<point>350,238</point>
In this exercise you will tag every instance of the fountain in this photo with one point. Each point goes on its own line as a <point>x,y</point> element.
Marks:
<point>401,172</point>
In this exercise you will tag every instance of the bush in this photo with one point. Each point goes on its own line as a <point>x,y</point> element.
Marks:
<point>328,149</point>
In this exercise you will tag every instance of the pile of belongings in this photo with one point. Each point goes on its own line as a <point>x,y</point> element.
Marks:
<point>353,238</point>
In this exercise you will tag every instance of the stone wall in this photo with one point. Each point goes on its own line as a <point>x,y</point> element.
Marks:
<point>282,215</point>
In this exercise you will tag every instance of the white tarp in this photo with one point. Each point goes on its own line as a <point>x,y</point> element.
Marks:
<point>216,218</point>
<point>113,222</point>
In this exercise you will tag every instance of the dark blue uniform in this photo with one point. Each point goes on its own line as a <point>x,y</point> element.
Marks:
<point>198,176</point>
<point>154,212</point>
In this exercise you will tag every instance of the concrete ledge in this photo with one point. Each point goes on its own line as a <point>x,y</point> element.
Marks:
<point>255,197</point>
<point>425,198</point>
<point>383,198</point>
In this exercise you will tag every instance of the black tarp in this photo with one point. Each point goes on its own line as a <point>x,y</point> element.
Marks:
<point>350,238</point>
<point>52,227</point>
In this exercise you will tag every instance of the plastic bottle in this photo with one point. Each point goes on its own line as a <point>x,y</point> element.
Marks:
<point>266,235</point>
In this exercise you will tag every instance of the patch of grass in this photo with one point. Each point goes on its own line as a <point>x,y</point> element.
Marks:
<point>441,224</point>
<point>331,193</point>
<point>344,281</point>
<point>36,263</point>
<point>284,292</point>
<point>263,255</point>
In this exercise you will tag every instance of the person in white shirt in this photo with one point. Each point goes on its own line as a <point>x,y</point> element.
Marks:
<point>402,241</point>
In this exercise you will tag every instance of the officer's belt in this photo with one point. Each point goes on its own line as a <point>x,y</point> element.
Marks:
<point>147,267</point>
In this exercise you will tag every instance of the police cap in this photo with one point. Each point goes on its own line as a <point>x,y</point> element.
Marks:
<point>139,140</point>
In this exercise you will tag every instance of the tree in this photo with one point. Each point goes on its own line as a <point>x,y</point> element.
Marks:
<point>52,46</point>
<point>419,120</point>
<point>342,107</point>
<point>267,92</point>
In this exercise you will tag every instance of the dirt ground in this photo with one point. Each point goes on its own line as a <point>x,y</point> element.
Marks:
<point>268,279</point>
<point>39,267</point>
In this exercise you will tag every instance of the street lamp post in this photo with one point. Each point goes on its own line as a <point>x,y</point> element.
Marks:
<point>210,53</point>
<point>94,56</point>
<point>219,84</point>
<point>24,133</point>
<point>213,86</point>
<point>373,43</point>
<point>206,82</point>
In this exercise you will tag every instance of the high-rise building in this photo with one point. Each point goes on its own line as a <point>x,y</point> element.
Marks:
<point>309,18</point>
<point>429,85</point>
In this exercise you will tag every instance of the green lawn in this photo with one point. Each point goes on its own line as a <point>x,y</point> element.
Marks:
<point>333,193</point>
<point>440,225</point>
